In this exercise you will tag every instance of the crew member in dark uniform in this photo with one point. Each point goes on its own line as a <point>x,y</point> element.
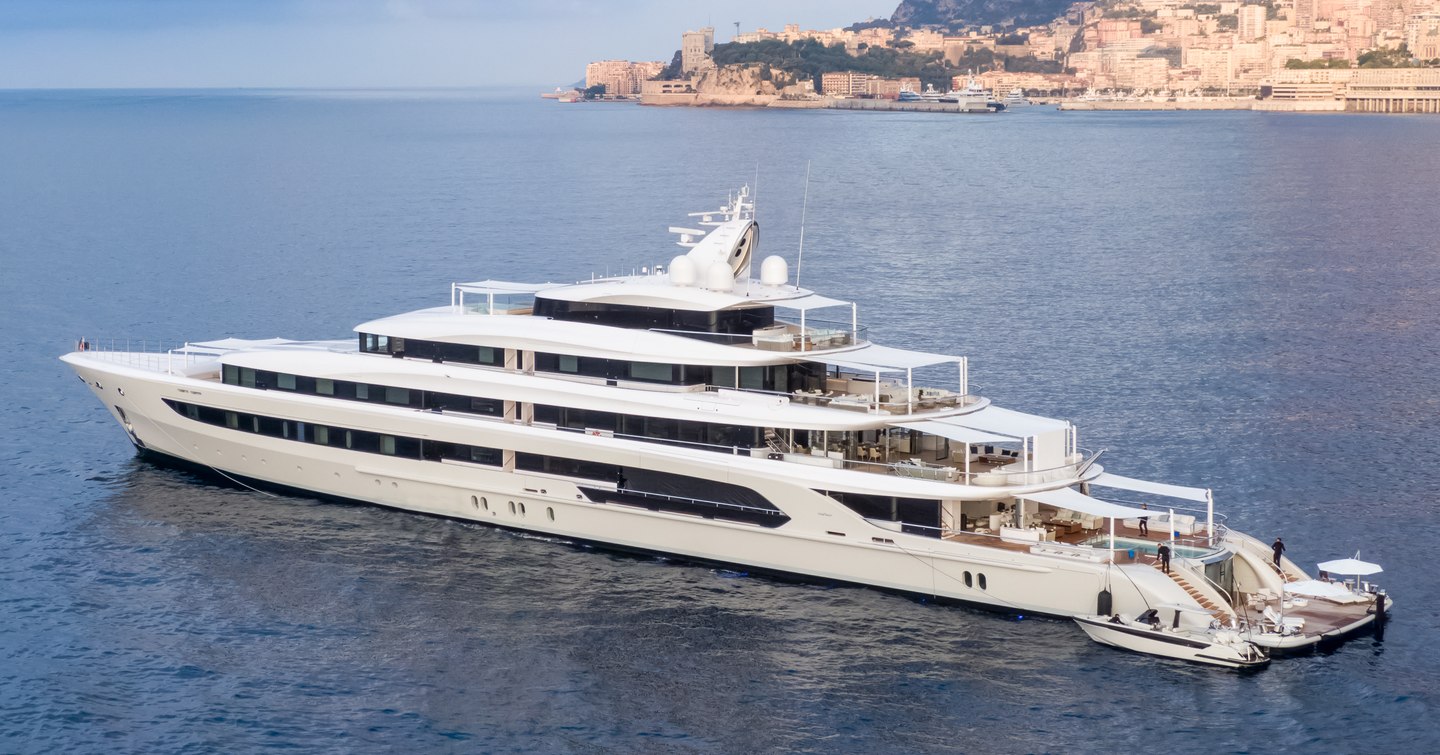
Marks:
<point>1164,553</point>
<point>1279,548</point>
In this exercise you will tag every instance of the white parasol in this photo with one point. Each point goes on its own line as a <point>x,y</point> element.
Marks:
<point>1351,566</point>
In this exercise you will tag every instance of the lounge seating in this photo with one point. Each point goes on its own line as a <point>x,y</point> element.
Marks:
<point>1184,523</point>
<point>1282,624</point>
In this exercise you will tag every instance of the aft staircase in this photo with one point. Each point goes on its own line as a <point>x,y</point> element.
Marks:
<point>1219,613</point>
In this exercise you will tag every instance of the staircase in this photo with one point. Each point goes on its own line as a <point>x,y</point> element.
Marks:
<point>1219,613</point>
<point>775,442</point>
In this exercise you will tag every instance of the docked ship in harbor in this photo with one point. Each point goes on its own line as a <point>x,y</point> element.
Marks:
<point>694,410</point>
<point>973,98</point>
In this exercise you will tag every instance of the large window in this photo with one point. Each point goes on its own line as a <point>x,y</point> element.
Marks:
<point>439,351</point>
<point>924,513</point>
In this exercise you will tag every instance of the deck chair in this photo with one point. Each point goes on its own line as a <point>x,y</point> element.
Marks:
<point>1282,624</point>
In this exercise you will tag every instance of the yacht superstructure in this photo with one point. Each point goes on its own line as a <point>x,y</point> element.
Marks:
<point>694,410</point>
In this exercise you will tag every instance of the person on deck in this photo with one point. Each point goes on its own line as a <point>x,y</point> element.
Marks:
<point>1144,522</point>
<point>1279,548</point>
<point>1164,553</point>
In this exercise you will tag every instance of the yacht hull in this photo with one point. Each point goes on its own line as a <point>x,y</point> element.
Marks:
<point>1184,646</point>
<point>822,540</point>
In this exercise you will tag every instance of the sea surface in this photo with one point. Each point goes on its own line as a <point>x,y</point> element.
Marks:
<point>1243,301</point>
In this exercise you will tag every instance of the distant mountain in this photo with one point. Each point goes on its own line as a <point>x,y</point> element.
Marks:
<point>977,12</point>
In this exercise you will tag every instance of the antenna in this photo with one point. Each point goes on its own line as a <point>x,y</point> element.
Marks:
<point>804,205</point>
<point>737,28</point>
<point>755,188</point>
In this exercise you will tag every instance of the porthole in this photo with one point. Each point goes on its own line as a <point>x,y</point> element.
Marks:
<point>982,581</point>
<point>550,512</point>
<point>968,580</point>
<point>522,509</point>
<point>474,502</point>
<point>484,504</point>
<point>512,508</point>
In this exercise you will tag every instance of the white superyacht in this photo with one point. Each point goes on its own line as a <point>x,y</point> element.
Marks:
<point>694,410</point>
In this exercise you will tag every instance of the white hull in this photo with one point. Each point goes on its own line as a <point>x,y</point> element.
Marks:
<point>823,539</point>
<point>1196,647</point>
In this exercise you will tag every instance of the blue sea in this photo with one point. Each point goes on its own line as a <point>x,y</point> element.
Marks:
<point>1234,300</point>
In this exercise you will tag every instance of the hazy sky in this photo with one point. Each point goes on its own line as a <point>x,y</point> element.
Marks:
<point>365,43</point>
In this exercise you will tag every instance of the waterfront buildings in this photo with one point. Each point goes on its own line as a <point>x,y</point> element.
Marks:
<point>854,84</point>
<point>621,77</point>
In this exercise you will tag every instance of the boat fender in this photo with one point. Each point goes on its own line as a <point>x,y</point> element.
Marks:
<point>1103,603</point>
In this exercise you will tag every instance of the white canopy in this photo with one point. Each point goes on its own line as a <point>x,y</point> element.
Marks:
<point>813,301</point>
<point>1069,498</point>
<point>953,432</point>
<point>1007,422</point>
<point>1316,589</point>
<point>1107,480</point>
<point>500,288</point>
<point>876,358</point>
<point>1350,566</point>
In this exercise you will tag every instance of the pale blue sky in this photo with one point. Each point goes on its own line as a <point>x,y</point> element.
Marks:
<point>364,43</point>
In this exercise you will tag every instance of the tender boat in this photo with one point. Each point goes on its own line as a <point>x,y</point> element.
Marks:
<point>695,410</point>
<point>1145,634</point>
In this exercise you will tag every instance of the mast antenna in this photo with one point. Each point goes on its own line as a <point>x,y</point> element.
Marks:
<point>804,205</point>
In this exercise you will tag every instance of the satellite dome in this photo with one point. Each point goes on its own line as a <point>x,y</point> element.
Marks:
<point>719,276</point>
<point>774,271</point>
<point>682,271</point>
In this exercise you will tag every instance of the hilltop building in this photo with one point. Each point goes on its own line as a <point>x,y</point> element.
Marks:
<point>695,49</point>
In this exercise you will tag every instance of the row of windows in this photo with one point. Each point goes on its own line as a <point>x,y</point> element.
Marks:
<point>736,321</point>
<point>970,582</point>
<point>375,394</point>
<point>338,437</point>
<point>654,489</point>
<point>723,438</point>
<point>781,378</point>
<point>439,351</point>
<point>481,503</point>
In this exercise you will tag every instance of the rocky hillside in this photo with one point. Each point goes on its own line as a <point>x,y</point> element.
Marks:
<point>975,12</point>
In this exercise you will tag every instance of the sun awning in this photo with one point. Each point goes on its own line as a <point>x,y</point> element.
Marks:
<point>1070,498</point>
<point>953,432</point>
<point>813,301</point>
<point>1107,480</point>
<point>875,358</point>
<point>1007,422</point>
<point>1317,589</point>
<point>501,288</point>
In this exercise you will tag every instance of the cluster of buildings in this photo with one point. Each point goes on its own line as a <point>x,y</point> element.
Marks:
<point>1168,45</point>
<point>621,78</point>
<point>1155,46</point>
<point>852,84</point>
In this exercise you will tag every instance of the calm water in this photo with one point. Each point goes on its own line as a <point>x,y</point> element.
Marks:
<point>1234,300</point>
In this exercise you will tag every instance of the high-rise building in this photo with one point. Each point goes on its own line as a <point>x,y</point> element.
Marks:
<point>1252,22</point>
<point>695,49</point>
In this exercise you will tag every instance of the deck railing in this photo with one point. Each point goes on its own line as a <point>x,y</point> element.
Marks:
<point>814,335</point>
<point>152,354</point>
